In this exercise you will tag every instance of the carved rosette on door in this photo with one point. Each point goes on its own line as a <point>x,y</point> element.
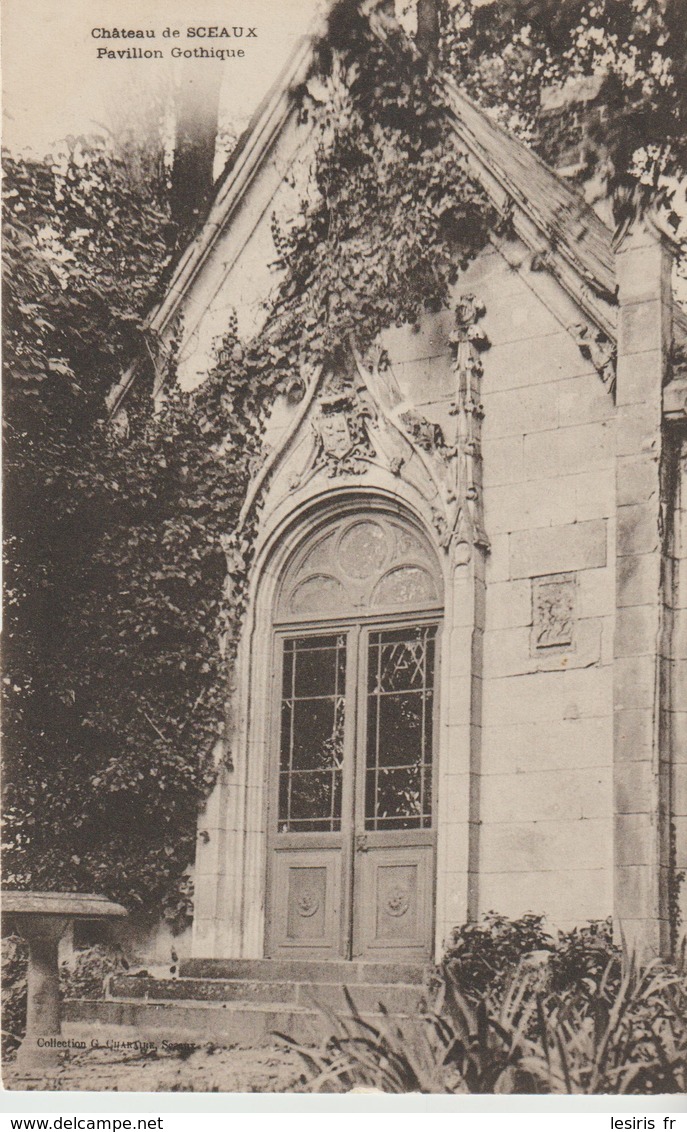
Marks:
<point>351,820</point>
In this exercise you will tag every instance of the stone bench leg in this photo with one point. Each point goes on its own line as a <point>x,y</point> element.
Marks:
<point>43,935</point>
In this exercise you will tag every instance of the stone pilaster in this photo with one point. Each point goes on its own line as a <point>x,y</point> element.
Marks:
<point>640,778</point>
<point>676,708</point>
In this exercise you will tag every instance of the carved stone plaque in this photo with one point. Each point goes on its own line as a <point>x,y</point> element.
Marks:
<point>336,435</point>
<point>553,611</point>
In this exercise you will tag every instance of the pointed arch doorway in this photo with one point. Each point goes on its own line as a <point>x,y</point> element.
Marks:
<point>351,819</point>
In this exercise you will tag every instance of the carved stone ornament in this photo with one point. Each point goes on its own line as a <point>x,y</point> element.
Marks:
<point>456,463</point>
<point>295,390</point>
<point>307,903</point>
<point>468,341</point>
<point>236,559</point>
<point>596,347</point>
<point>342,430</point>
<point>361,562</point>
<point>378,364</point>
<point>397,902</point>
<point>354,419</point>
<point>675,391</point>
<point>553,601</point>
<point>678,362</point>
<point>466,329</point>
<point>440,524</point>
<point>343,446</point>
<point>541,261</point>
<point>258,459</point>
<point>426,434</point>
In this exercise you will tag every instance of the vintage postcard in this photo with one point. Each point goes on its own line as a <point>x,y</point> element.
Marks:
<point>345,466</point>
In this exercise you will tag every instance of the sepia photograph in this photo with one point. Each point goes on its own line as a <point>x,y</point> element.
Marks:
<point>345,547</point>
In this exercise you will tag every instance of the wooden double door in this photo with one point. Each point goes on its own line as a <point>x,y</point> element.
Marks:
<point>351,841</point>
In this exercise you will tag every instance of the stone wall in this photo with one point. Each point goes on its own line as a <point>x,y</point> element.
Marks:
<point>238,275</point>
<point>561,808</point>
<point>644,480</point>
<point>546,802</point>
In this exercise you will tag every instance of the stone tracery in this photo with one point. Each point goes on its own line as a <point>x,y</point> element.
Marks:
<point>370,562</point>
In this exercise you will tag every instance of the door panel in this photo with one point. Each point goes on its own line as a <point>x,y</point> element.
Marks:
<point>394,901</point>
<point>394,858</point>
<point>310,799</point>
<point>306,909</point>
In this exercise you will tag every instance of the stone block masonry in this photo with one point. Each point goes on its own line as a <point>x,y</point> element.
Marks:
<point>641,779</point>
<point>543,753</point>
<point>674,730</point>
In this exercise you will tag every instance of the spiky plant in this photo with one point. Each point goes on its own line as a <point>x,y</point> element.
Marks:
<point>619,1035</point>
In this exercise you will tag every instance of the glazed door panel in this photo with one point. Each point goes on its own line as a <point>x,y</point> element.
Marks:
<point>351,844</point>
<point>394,842</point>
<point>309,816</point>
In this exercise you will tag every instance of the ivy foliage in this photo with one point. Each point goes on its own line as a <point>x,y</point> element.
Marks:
<point>506,53</point>
<point>393,213</point>
<point>121,626</point>
<point>84,246</point>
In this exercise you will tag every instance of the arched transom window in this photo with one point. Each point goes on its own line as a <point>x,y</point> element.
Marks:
<point>357,564</point>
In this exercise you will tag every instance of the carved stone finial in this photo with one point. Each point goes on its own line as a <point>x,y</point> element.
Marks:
<point>596,347</point>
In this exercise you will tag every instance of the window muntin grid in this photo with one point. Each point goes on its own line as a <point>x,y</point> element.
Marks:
<point>313,710</point>
<point>400,697</point>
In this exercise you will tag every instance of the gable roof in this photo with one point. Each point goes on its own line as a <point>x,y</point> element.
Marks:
<point>564,234</point>
<point>560,214</point>
<point>556,222</point>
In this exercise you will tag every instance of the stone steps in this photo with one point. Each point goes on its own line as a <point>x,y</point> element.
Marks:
<point>235,1023</point>
<point>396,997</point>
<point>342,971</point>
<point>244,1001</point>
